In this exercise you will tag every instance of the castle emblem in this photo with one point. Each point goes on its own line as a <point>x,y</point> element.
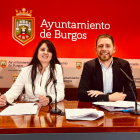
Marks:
<point>79,65</point>
<point>23,27</point>
<point>3,63</point>
<point>14,77</point>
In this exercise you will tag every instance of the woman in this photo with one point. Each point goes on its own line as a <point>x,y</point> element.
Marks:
<point>37,78</point>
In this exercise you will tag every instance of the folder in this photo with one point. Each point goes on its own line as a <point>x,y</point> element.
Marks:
<point>117,106</point>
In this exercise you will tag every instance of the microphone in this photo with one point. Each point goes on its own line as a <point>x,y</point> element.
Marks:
<point>126,75</point>
<point>55,110</point>
<point>136,112</point>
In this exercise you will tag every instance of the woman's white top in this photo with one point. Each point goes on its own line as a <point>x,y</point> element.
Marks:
<point>24,80</point>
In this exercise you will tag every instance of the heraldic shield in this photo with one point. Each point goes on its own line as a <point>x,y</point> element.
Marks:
<point>3,63</point>
<point>79,65</point>
<point>23,27</point>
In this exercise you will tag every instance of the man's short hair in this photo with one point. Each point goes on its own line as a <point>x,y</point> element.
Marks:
<point>105,36</point>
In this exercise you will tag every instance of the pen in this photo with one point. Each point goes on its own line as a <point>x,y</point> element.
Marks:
<point>126,110</point>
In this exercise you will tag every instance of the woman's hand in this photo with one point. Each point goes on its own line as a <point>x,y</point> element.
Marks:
<point>3,100</point>
<point>43,100</point>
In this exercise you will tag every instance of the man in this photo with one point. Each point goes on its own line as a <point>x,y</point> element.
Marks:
<point>102,79</point>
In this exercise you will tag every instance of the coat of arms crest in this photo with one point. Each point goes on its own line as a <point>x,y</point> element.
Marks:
<point>23,27</point>
<point>78,64</point>
<point>14,77</point>
<point>3,63</point>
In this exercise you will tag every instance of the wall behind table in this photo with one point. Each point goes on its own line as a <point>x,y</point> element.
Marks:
<point>72,70</point>
<point>73,27</point>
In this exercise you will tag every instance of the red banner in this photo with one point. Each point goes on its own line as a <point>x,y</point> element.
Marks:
<point>71,25</point>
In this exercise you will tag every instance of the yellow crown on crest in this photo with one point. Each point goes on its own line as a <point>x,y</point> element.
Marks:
<point>23,27</point>
<point>23,12</point>
<point>15,75</point>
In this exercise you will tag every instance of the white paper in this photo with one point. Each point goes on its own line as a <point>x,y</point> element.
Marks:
<point>19,110</point>
<point>20,105</point>
<point>117,106</point>
<point>83,114</point>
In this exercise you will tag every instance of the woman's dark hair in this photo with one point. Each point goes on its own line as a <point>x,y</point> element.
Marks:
<point>35,62</point>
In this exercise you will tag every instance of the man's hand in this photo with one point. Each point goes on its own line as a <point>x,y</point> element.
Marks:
<point>43,100</point>
<point>95,93</point>
<point>117,96</point>
<point>3,100</point>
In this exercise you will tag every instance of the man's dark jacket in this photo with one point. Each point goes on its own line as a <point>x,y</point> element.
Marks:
<point>92,79</point>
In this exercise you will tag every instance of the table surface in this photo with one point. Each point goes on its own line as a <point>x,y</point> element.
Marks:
<point>45,122</point>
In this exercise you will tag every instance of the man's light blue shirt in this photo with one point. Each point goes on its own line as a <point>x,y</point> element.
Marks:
<point>107,78</point>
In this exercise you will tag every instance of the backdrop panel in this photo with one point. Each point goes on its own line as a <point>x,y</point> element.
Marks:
<point>72,70</point>
<point>73,27</point>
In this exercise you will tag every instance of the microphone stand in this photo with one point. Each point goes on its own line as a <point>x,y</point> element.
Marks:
<point>136,112</point>
<point>56,110</point>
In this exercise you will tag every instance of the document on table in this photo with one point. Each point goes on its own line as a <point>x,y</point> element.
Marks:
<point>20,109</point>
<point>117,106</point>
<point>83,114</point>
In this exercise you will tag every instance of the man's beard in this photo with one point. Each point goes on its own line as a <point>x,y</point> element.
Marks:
<point>105,58</point>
